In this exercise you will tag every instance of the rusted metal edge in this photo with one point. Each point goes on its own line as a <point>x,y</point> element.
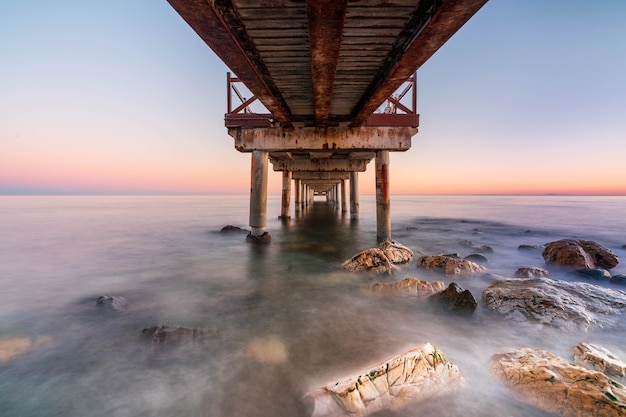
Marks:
<point>398,119</point>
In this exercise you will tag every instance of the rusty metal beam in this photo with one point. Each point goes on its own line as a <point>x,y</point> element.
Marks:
<point>432,24</point>
<point>326,19</point>
<point>337,165</point>
<point>212,21</point>
<point>313,176</point>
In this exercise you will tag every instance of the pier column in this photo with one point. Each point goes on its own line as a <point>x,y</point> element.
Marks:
<point>344,207</point>
<point>286,195</point>
<point>258,195</point>
<point>298,202</point>
<point>354,195</point>
<point>383,212</point>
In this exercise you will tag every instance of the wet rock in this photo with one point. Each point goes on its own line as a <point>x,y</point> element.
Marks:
<point>262,238</point>
<point>449,266</point>
<point>409,286</point>
<point>619,279</point>
<point>409,378</point>
<point>233,229</point>
<point>477,258</point>
<point>531,272</point>
<point>595,273</point>
<point>477,248</point>
<point>454,298</point>
<point>555,303</point>
<point>598,358</point>
<point>550,383</point>
<point>112,302</point>
<point>579,254</point>
<point>14,347</point>
<point>454,255</point>
<point>372,259</point>
<point>396,252</point>
<point>529,247</point>
<point>176,335</point>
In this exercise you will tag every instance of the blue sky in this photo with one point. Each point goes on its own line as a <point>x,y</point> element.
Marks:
<point>123,97</point>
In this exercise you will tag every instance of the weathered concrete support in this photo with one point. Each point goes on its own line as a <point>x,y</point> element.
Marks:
<point>298,197</point>
<point>354,195</point>
<point>383,212</point>
<point>258,193</point>
<point>286,195</point>
<point>344,207</point>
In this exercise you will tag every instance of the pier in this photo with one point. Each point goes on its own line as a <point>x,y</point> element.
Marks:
<point>338,80</point>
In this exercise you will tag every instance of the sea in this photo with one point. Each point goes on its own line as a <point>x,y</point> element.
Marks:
<point>284,318</point>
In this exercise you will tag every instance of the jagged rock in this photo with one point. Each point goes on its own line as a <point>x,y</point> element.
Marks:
<point>396,252</point>
<point>412,377</point>
<point>477,248</point>
<point>556,303</point>
<point>233,229</point>
<point>373,260</point>
<point>409,286</point>
<point>14,347</point>
<point>598,358</point>
<point>262,238</point>
<point>176,335</point>
<point>448,265</point>
<point>595,273</point>
<point>531,272</point>
<point>478,258</point>
<point>579,254</point>
<point>113,302</point>
<point>528,247</point>
<point>454,298</point>
<point>550,383</point>
<point>619,279</point>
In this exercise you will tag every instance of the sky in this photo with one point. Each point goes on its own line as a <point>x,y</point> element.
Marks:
<point>122,97</point>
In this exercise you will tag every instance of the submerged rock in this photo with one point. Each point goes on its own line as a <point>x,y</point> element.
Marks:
<point>233,229</point>
<point>555,303</point>
<point>618,279</point>
<point>579,254</point>
<point>373,260</point>
<point>550,383</point>
<point>409,286</point>
<point>529,247</point>
<point>454,298</point>
<point>449,266</point>
<point>595,273</point>
<point>477,248</point>
<point>478,258</point>
<point>409,378</point>
<point>598,358</point>
<point>531,272</point>
<point>176,335</point>
<point>396,252</point>
<point>113,302</point>
<point>16,346</point>
<point>262,238</point>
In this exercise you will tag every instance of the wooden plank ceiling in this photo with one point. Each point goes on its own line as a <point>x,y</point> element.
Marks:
<point>325,62</point>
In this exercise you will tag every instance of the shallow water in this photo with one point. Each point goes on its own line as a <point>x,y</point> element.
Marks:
<point>289,319</point>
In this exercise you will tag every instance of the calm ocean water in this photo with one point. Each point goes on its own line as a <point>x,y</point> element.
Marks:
<point>289,300</point>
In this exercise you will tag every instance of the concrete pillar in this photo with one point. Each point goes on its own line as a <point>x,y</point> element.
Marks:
<point>258,193</point>
<point>344,207</point>
<point>298,202</point>
<point>354,195</point>
<point>383,212</point>
<point>286,195</point>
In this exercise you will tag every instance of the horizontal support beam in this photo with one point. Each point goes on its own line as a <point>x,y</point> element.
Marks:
<point>320,176</point>
<point>300,165</point>
<point>397,139</point>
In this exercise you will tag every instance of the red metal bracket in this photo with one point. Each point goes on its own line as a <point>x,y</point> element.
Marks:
<point>242,115</point>
<point>396,111</point>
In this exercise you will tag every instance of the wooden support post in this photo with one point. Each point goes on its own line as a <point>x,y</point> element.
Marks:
<point>258,195</point>
<point>286,195</point>
<point>344,207</point>
<point>354,195</point>
<point>298,202</point>
<point>383,212</point>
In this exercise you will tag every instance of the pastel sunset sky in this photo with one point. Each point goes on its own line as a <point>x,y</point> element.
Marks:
<point>122,96</point>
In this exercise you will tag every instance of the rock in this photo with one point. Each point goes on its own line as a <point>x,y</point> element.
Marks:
<point>373,260</point>
<point>595,273</point>
<point>454,298</point>
<point>477,258</point>
<point>396,252</point>
<point>550,383</point>
<point>262,238</point>
<point>531,273</point>
<point>555,303</point>
<point>528,247</point>
<point>481,248</point>
<point>14,347</point>
<point>233,229</point>
<point>619,279</point>
<point>449,266</point>
<point>112,302</point>
<point>599,359</point>
<point>176,335</point>
<point>409,286</point>
<point>412,377</point>
<point>579,254</point>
